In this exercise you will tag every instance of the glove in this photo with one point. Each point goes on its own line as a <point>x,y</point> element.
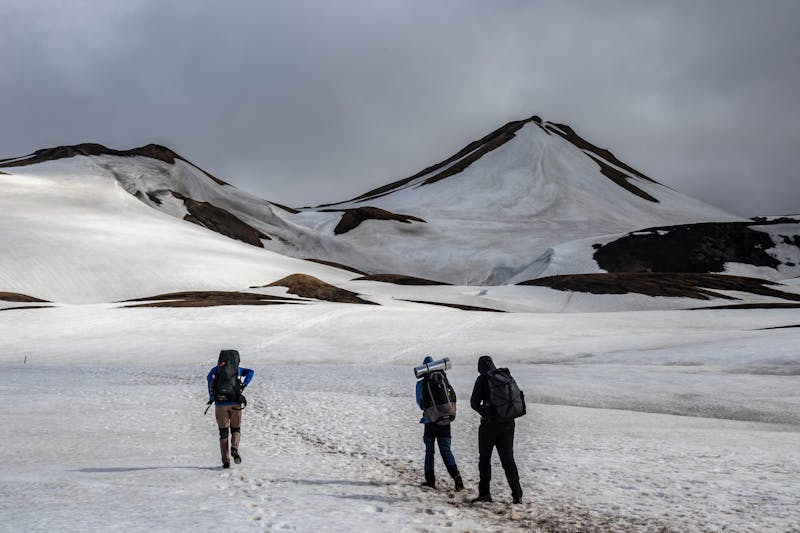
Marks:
<point>210,400</point>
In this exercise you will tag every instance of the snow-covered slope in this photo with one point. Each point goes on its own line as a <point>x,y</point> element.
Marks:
<point>71,234</point>
<point>500,203</point>
<point>478,218</point>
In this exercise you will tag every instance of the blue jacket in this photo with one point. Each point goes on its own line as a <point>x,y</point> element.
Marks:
<point>423,420</point>
<point>246,372</point>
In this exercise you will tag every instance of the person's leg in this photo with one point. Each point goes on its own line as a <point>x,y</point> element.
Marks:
<point>223,415</point>
<point>444,439</point>
<point>429,437</point>
<point>505,449</point>
<point>485,445</point>
<point>236,433</point>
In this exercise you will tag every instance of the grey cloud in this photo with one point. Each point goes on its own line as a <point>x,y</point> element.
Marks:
<point>308,102</point>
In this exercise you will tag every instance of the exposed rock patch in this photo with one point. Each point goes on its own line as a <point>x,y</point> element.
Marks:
<point>399,279</point>
<point>457,306</point>
<point>697,286</point>
<point>27,307</point>
<point>217,219</point>
<point>153,151</point>
<point>353,218</point>
<point>703,247</point>
<point>17,297</point>
<point>210,299</point>
<point>307,286</point>
<point>337,265</point>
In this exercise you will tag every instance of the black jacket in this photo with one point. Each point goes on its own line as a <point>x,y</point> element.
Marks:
<point>479,400</point>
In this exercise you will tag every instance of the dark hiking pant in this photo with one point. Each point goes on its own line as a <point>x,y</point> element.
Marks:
<point>500,435</point>
<point>435,433</point>
<point>229,420</point>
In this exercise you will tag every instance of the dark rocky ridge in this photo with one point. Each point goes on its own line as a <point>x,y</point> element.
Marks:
<point>601,155</point>
<point>462,307</point>
<point>482,146</point>
<point>353,218</point>
<point>399,279</point>
<point>153,151</point>
<point>683,285</point>
<point>702,247</point>
<point>17,297</point>
<point>217,219</point>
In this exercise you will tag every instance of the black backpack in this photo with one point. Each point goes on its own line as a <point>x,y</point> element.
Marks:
<point>505,397</point>
<point>226,386</point>
<point>438,398</point>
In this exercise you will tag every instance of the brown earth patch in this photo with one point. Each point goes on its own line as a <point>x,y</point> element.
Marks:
<point>399,279</point>
<point>337,265</point>
<point>457,306</point>
<point>353,218</point>
<point>217,219</point>
<point>153,151</point>
<point>210,299</point>
<point>486,144</point>
<point>17,297</point>
<point>603,157</point>
<point>685,285</point>
<point>307,286</point>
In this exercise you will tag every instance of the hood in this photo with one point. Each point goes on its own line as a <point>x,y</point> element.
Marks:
<point>485,364</point>
<point>428,359</point>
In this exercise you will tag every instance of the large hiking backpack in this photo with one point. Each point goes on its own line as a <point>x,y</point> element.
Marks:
<point>226,386</point>
<point>504,395</point>
<point>438,398</point>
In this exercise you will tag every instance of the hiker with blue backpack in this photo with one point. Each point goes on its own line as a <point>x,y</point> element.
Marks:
<point>497,398</point>
<point>437,399</point>
<point>226,381</point>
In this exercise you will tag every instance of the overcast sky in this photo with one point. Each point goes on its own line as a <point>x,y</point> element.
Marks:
<point>304,102</point>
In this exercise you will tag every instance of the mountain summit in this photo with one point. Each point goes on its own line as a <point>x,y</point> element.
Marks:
<point>479,217</point>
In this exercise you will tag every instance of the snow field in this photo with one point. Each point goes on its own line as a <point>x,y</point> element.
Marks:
<point>337,447</point>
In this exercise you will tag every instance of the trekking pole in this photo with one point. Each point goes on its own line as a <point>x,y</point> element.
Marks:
<point>208,406</point>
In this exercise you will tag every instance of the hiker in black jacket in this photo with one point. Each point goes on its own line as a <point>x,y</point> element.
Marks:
<point>492,432</point>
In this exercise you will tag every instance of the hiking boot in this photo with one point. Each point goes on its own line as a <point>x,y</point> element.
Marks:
<point>517,499</point>
<point>235,454</point>
<point>459,484</point>
<point>483,498</point>
<point>226,464</point>
<point>430,480</point>
<point>429,484</point>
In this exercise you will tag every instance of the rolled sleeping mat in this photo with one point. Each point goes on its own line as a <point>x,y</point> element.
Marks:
<point>440,364</point>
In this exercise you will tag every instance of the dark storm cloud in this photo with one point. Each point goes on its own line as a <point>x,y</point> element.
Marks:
<point>307,102</point>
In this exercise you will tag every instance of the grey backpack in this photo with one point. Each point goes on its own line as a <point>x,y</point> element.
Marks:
<point>438,399</point>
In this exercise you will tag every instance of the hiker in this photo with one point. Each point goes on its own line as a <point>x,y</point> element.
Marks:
<point>493,399</point>
<point>225,391</point>
<point>437,423</point>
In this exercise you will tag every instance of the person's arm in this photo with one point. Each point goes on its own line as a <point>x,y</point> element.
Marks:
<point>476,400</point>
<point>248,375</point>
<point>419,394</point>
<point>210,379</point>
